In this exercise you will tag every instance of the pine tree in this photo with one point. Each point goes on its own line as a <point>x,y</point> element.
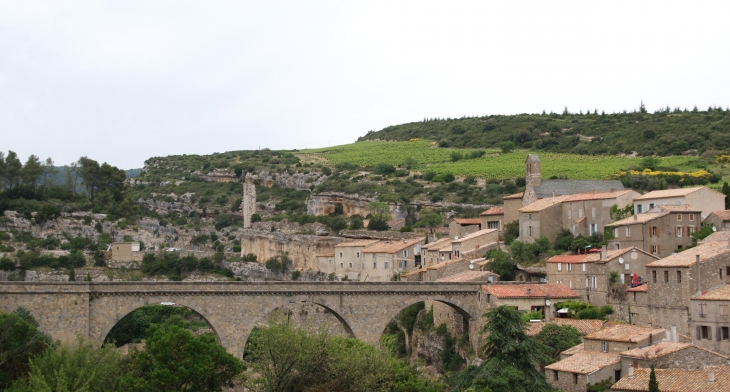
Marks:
<point>642,108</point>
<point>72,274</point>
<point>653,384</point>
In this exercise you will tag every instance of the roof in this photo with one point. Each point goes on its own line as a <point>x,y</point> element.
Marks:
<point>574,350</point>
<point>436,244</point>
<point>638,219</point>
<point>530,290</point>
<point>543,204</point>
<point>614,253</point>
<point>362,243</point>
<point>332,254</point>
<point>716,236</point>
<point>532,270</point>
<point>624,333</point>
<point>678,380</point>
<point>722,214</point>
<point>493,211</point>
<point>661,349</point>
<point>687,258</point>
<point>532,158</point>
<point>585,362</point>
<point>638,289</point>
<point>668,193</point>
<point>445,263</point>
<point>391,246</point>
<point>468,276</point>
<point>468,221</point>
<point>721,294</point>
<point>597,195</point>
<point>548,188</point>
<point>475,235</point>
<point>414,272</point>
<point>515,196</point>
<point>583,326</point>
<point>678,208</point>
<point>570,259</point>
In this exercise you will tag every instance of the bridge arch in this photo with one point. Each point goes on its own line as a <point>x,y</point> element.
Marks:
<point>458,306</point>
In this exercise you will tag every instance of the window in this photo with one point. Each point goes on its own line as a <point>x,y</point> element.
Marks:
<point>568,267</point>
<point>679,217</point>
<point>375,265</point>
<point>679,276</point>
<point>575,378</point>
<point>653,276</point>
<point>627,266</point>
<point>691,217</point>
<point>724,333</point>
<point>604,347</point>
<point>593,212</point>
<point>703,332</point>
<point>340,254</point>
<point>617,246</point>
<point>342,265</point>
<point>628,231</point>
<point>592,229</point>
<point>529,216</point>
<point>357,254</point>
<point>595,282</point>
<point>583,267</point>
<point>639,208</point>
<point>405,253</point>
<point>362,266</point>
<point>655,249</point>
<point>350,265</point>
<point>615,232</point>
<point>651,205</point>
<point>555,375</point>
<point>400,264</point>
<point>580,213</point>
<point>385,265</point>
<point>586,282</point>
<point>570,214</point>
<point>723,310</point>
<point>703,310</point>
<point>530,230</point>
<point>653,232</point>
<point>493,225</point>
<point>560,266</point>
<point>690,230</point>
<point>679,231</point>
<point>666,276</point>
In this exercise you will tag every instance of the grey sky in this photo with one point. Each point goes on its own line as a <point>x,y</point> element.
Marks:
<point>124,81</point>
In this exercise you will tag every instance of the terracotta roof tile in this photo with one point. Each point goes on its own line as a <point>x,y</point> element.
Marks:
<point>574,350</point>
<point>414,272</point>
<point>596,196</point>
<point>493,211</point>
<point>583,326</point>
<point>362,243</point>
<point>515,196</point>
<point>571,259</point>
<point>721,294</point>
<point>468,276</point>
<point>688,257</point>
<point>436,244</point>
<point>678,380</point>
<point>530,290</point>
<point>638,219</point>
<point>624,333</point>
<point>656,350</point>
<point>716,236</point>
<point>668,193</point>
<point>614,253</point>
<point>475,235</point>
<point>332,254</point>
<point>722,214</point>
<point>678,208</point>
<point>543,204</point>
<point>468,221</point>
<point>585,362</point>
<point>445,264</point>
<point>391,246</point>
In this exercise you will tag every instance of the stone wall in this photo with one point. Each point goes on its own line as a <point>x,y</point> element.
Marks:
<point>302,249</point>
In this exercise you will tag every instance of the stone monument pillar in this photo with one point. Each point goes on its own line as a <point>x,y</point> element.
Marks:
<point>249,200</point>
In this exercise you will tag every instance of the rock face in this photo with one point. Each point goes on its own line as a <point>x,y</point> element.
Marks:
<point>302,248</point>
<point>427,346</point>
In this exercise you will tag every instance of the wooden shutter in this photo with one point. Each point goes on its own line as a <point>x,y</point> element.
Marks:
<point>698,333</point>
<point>709,333</point>
<point>658,249</point>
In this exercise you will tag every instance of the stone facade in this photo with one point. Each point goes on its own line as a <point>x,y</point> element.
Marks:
<point>710,322</point>
<point>703,198</point>
<point>587,213</point>
<point>542,218</point>
<point>719,219</point>
<point>459,227</point>
<point>124,251</point>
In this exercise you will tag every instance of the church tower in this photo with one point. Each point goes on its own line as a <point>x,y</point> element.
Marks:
<point>532,170</point>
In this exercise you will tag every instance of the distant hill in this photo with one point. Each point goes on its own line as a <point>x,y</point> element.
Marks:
<point>669,132</point>
<point>132,172</point>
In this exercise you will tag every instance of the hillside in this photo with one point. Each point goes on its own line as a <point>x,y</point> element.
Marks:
<point>663,133</point>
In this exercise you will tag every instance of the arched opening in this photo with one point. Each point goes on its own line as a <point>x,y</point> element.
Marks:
<point>419,327</point>
<point>304,314</point>
<point>131,328</point>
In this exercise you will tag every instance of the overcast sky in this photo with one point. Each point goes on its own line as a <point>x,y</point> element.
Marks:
<point>124,81</point>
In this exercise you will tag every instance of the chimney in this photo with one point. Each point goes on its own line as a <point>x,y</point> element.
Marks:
<point>631,371</point>
<point>674,337</point>
<point>711,376</point>
<point>699,285</point>
<point>651,339</point>
<point>604,253</point>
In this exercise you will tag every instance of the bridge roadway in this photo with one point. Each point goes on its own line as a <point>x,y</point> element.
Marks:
<point>90,309</point>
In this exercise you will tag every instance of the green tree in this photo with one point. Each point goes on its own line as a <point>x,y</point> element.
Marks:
<point>653,384</point>
<point>19,341</point>
<point>379,215</point>
<point>557,338</point>
<point>175,360</point>
<point>704,231</point>
<point>431,220</point>
<point>100,178</point>
<point>506,147</point>
<point>13,170</point>
<point>501,263</point>
<point>83,367</point>
<point>31,172</point>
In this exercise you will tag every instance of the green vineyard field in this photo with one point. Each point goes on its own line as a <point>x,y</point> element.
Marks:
<point>493,164</point>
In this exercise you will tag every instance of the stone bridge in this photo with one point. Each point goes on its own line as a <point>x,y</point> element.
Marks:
<point>233,309</point>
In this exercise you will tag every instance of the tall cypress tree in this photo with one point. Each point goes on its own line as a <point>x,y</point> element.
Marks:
<point>653,384</point>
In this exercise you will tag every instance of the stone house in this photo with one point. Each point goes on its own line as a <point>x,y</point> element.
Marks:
<point>446,268</point>
<point>526,296</point>
<point>587,213</point>
<point>461,227</point>
<point>384,259</point>
<point>700,197</point>
<point>710,320</point>
<point>430,252</point>
<point>325,262</point>
<point>583,326</point>
<point>530,274</point>
<point>481,239</point>
<point>597,358</point>
<point>674,279</point>
<point>125,251</point>
<point>493,218</point>
<point>512,205</point>
<point>589,275</point>
<point>349,259</point>
<point>661,231</point>
<point>719,219</point>
<point>670,355</point>
<point>710,379</point>
<point>542,218</point>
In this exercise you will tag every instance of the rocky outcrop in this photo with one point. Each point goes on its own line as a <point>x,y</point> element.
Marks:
<point>299,181</point>
<point>302,248</point>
